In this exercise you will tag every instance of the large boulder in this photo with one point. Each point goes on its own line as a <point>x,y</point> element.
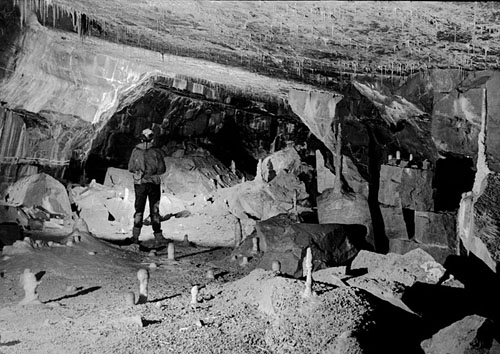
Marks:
<point>282,239</point>
<point>196,172</point>
<point>472,334</point>
<point>260,201</point>
<point>40,190</point>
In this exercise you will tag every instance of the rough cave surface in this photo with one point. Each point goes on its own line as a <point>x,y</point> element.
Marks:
<point>373,141</point>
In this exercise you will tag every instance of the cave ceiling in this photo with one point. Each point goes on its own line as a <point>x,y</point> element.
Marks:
<point>309,41</point>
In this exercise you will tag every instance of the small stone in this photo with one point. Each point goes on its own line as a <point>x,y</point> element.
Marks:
<point>152,253</point>
<point>69,243</point>
<point>70,288</point>
<point>244,262</point>
<point>153,265</point>
<point>92,253</point>
<point>50,243</point>
<point>210,274</point>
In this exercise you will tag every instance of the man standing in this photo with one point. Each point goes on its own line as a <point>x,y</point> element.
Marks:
<point>147,165</point>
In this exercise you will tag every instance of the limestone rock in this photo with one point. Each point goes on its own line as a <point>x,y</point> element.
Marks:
<point>493,123</point>
<point>286,160</point>
<point>344,209</point>
<point>472,334</point>
<point>394,222</point>
<point>262,201</point>
<point>325,177</point>
<point>486,220</point>
<point>438,252</point>
<point>436,228</point>
<point>406,188</point>
<point>416,265</point>
<point>40,190</point>
<point>457,115</point>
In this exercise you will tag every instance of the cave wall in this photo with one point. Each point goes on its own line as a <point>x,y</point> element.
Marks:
<point>30,144</point>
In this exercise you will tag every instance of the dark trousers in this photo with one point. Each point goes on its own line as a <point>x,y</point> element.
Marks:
<point>152,192</point>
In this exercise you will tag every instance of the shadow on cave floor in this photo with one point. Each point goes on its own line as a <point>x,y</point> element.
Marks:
<point>440,306</point>
<point>79,293</point>
<point>392,330</point>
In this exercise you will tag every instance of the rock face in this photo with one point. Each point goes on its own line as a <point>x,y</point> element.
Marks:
<point>283,239</point>
<point>29,143</point>
<point>403,187</point>
<point>407,206</point>
<point>478,217</point>
<point>472,334</point>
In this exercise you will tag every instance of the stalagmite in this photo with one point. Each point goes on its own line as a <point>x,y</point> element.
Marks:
<point>210,274</point>
<point>186,242</point>
<point>29,283</point>
<point>255,245</point>
<point>194,296</point>
<point>244,262</point>
<point>308,269</point>
<point>171,251</point>
<point>143,276</point>
<point>276,267</point>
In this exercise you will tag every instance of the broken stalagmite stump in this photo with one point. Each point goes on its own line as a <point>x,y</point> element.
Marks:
<point>308,270</point>
<point>255,245</point>
<point>143,276</point>
<point>29,283</point>
<point>194,295</point>
<point>244,262</point>
<point>210,274</point>
<point>276,267</point>
<point>171,251</point>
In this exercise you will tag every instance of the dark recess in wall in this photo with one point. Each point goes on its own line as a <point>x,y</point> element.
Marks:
<point>454,175</point>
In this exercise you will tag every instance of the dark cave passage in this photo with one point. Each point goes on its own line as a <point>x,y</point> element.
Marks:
<point>454,175</point>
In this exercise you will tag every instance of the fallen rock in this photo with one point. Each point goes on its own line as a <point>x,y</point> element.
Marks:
<point>282,239</point>
<point>40,190</point>
<point>286,160</point>
<point>416,265</point>
<point>472,334</point>
<point>19,247</point>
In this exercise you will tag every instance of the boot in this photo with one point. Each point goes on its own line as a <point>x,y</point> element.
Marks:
<point>159,239</point>
<point>136,231</point>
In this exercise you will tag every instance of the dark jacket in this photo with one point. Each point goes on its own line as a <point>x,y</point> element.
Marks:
<point>147,164</point>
